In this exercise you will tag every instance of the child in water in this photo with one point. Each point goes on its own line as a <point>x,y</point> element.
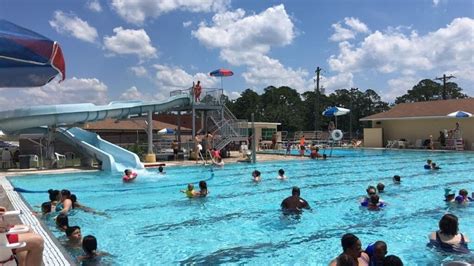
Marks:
<point>89,245</point>
<point>129,176</point>
<point>281,174</point>
<point>190,192</point>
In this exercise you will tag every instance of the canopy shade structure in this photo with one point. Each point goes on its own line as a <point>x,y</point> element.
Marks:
<point>28,59</point>
<point>459,114</point>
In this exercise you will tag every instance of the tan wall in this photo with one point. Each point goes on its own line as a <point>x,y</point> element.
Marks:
<point>373,137</point>
<point>422,128</point>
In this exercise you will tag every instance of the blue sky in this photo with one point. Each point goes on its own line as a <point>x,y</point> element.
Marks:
<point>129,49</point>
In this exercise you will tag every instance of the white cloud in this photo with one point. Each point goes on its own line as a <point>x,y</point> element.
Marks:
<point>138,11</point>
<point>234,95</point>
<point>449,48</point>
<point>74,90</point>
<point>70,24</point>
<point>127,41</point>
<point>257,33</point>
<point>356,24</point>
<point>343,34</point>
<point>436,2</point>
<point>139,71</point>
<point>246,41</point>
<point>94,5</point>
<point>188,23</point>
<point>336,82</point>
<point>134,94</point>
<point>398,87</point>
<point>169,78</point>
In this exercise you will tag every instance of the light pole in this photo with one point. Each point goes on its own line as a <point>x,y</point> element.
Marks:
<point>350,114</point>
<point>316,102</point>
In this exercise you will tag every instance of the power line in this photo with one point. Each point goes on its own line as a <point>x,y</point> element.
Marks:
<point>444,78</point>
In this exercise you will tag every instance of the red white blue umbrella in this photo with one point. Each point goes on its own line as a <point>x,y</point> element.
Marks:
<point>222,72</point>
<point>28,59</point>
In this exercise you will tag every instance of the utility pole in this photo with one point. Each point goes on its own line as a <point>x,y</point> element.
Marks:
<point>316,102</point>
<point>350,114</point>
<point>444,78</point>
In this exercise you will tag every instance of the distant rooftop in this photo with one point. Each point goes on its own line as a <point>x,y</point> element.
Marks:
<point>430,109</point>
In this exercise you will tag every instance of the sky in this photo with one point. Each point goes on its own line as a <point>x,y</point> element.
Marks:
<point>144,49</point>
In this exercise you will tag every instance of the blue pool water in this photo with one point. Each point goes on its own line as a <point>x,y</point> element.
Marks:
<point>151,222</point>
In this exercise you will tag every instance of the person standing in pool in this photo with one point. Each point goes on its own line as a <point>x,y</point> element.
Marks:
<point>294,204</point>
<point>256,176</point>
<point>448,238</point>
<point>352,246</point>
<point>203,188</point>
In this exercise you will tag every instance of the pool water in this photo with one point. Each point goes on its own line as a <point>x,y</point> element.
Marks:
<point>151,222</point>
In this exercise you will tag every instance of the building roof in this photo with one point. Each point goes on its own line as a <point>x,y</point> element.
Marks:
<point>424,110</point>
<point>129,124</point>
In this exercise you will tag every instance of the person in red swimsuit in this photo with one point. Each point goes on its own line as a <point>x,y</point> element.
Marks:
<point>197,91</point>
<point>32,253</point>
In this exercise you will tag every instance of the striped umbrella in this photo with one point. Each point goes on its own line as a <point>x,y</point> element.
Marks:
<point>222,72</point>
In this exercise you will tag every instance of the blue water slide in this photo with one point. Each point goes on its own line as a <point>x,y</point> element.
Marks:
<point>113,157</point>
<point>13,121</point>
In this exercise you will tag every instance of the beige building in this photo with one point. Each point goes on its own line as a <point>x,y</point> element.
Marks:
<point>417,121</point>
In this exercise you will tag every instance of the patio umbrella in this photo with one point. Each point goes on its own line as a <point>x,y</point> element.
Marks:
<point>165,131</point>
<point>460,114</point>
<point>335,111</point>
<point>221,73</point>
<point>28,59</point>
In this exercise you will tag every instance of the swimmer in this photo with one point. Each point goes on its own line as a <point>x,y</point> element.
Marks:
<point>160,170</point>
<point>74,236</point>
<point>449,195</point>
<point>62,222</point>
<point>428,164</point>
<point>256,176</point>
<point>392,260</point>
<point>370,191</point>
<point>129,176</point>
<point>462,197</point>
<point>434,167</point>
<point>374,203</point>
<point>203,188</point>
<point>281,174</point>
<point>46,208</point>
<point>190,192</point>
<point>89,246</point>
<point>324,156</point>
<point>294,203</point>
<point>397,179</point>
<point>352,247</point>
<point>380,187</point>
<point>448,238</point>
<point>377,252</point>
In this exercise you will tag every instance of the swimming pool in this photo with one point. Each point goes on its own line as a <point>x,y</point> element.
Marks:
<point>150,221</point>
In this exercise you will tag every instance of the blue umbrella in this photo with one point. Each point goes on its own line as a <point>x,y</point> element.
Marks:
<point>28,59</point>
<point>460,114</point>
<point>165,131</point>
<point>335,111</point>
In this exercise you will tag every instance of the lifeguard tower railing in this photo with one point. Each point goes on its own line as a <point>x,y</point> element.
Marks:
<point>218,119</point>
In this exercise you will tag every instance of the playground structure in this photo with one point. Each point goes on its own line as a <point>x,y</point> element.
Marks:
<point>60,122</point>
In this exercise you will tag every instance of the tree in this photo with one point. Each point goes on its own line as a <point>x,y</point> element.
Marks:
<point>245,105</point>
<point>428,90</point>
<point>283,105</point>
